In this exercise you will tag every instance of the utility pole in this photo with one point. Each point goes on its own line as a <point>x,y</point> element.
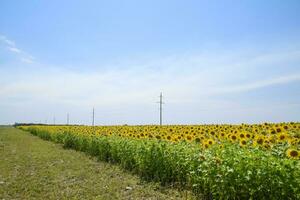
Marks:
<point>160,108</point>
<point>93,117</point>
<point>54,120</point>
<point>68,118</point>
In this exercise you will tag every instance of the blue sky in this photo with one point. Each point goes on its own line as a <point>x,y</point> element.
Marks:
<point>214,61</point>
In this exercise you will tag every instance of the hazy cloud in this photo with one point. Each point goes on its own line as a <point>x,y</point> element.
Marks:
<point>7,41</point>
<point>14,49</point>
<point>194,87</point>
<point>256,84</point>
<point>11,46</point>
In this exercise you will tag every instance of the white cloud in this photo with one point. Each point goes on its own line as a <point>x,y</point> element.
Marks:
<point>127,87</point>
<point>27,60</point>
<point>14,49</point>
<point>255,85</point>
<point>11,46</point>
<point>7,41</point>
<point>193,85</point>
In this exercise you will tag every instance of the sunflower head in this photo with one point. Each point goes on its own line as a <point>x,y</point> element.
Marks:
<point>267,146</point>
<point>282,137</point>
<point>242,135</point>
<point>248,135</point>
<point>205,145</point>
<point>279,130</point>
<point>189,137</point>
<point>197,140</point>
<point>210,141</point>
<point>217,160</point>
<point>243,142</point>
<point>259,141</point>
<point>293,153</point>
<point>233,137</point>
<point>169,137</point>
<point>222,134</point>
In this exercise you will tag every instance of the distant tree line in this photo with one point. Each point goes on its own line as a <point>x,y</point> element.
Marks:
<point>42,124</point>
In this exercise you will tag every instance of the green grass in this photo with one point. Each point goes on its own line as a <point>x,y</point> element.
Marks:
<point>32,168</point>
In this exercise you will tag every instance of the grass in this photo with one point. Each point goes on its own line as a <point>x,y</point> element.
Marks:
<point>32,168</point>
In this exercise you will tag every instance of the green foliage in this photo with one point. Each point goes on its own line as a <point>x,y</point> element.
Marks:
<point>230,172</point>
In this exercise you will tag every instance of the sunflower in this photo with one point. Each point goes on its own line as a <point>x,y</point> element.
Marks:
<point>243,142</point>
<point>158,137</point>
<point>197,140</point>
<point>282,137</point>
<point>189,137</point>
<point>272,139</point>
<point>259,141</point>
<point>279,129</point>
<point>248,135</point>
<point>267,146</point>
<point>293,153</point>
<point>217,160</point>
<point>169,137</point>
<point>294,141</point>
<point>233,137</point>
<point>205,145</point>
<point>272,131</point>
<point>202,157</point>
<point>222,134</point>
<point>210,141</point>
<point>242,135</point>
<point>179,137</point>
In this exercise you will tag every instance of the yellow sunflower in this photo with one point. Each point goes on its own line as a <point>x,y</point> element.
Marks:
<point>210,141</point>
<point>242,135</point>
<point>248,135</point>
<point>293,153</point>
<point>243,142</point>
<point>282,137</point>
<point>233,137</point>
<point>258,141</point>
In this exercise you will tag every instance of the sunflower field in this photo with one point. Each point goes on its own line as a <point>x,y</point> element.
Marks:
<point>257,161</point>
